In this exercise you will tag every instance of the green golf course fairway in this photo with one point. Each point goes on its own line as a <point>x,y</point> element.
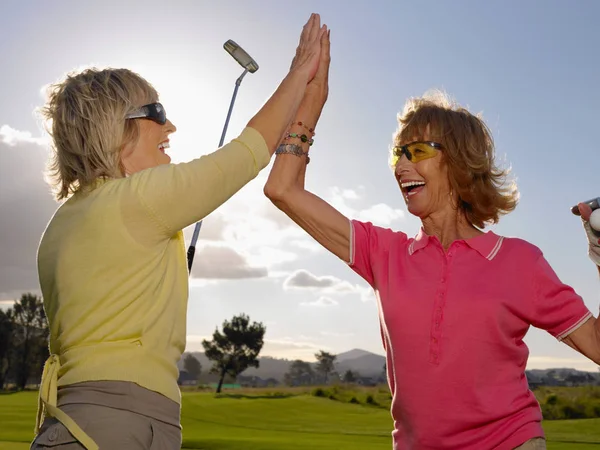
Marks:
<point>288,422</point>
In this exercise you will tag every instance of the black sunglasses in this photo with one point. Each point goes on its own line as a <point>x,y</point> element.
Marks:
<point>153,111</point>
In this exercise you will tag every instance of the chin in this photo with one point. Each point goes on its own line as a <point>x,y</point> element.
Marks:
<point>415,209</point>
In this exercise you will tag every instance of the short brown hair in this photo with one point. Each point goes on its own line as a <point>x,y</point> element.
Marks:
<point>85,116</point>
<point>484,192</point>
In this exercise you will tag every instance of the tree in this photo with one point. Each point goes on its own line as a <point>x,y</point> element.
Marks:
<point>349,377</point>
<point>236,348</point>
<point>192,366</point>
<point>300,373</point>
<point>30,337</point>
<point>6,344</point>
<point>325,364</point>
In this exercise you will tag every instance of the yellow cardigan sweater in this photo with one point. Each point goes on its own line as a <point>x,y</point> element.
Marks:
<point>113,272</point>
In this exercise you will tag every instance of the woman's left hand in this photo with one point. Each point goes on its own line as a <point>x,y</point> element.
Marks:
<point>317,90</point>
<point>593,236</point>
<point>319,85</point>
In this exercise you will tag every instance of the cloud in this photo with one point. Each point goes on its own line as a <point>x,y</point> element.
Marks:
<point>211,229</point>
<point>6,304</point>
<point>291,348</point>
<point>309,245</point>
<point>379,214</point>
<point>26,206</point>
<point>223,262</point>
<point>334,334</point>
<point>12,137</point>
<point>303,279</point>
<point>321,302</point>
<point>193,339</point>
<point>551,362</point>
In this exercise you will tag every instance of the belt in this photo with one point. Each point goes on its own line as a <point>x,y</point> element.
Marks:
<point>47,404</point>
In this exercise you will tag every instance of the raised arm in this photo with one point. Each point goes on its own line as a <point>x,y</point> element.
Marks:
<point>277,113</point>
<point>178,195</point>
<point>586,338</point>
<point>285,186</point>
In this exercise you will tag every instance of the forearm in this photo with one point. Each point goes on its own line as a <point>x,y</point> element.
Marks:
<point>177,195</point>
<point>273,119</point>
<point>289,171</point>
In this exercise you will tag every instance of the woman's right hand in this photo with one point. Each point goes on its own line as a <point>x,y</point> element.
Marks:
<point>308,52</point>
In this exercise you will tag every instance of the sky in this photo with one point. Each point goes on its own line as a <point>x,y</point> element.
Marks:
<point>530,68</point>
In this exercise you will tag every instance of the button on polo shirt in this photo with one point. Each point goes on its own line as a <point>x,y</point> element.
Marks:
<point>452,324</point>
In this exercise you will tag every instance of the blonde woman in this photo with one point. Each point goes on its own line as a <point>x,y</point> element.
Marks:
<point>112,263</point>
<point>454,301</point>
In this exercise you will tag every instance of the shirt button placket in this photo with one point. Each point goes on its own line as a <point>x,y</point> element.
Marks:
<point>436,326</point>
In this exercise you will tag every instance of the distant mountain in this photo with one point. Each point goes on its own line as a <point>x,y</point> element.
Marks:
<point>561,377</point>
<point>370,365</point>
<point>352,354</point>
<point>364,363</point>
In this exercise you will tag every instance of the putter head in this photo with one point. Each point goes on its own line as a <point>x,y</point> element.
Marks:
<point>240,55</point>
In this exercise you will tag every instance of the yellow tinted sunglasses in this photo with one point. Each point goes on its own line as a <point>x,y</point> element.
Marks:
<point>415,151</point>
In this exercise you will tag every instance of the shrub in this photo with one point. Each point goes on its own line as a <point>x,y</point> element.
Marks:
<point>371,400</point>
<point>319,392</point>
<point>354,400</point>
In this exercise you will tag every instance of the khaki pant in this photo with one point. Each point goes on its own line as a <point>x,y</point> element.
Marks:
<point>533,444</point>
<point>115,415</point>
<point>111,429</point>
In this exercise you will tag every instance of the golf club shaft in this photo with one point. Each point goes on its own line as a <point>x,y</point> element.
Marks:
<point>192,248</point>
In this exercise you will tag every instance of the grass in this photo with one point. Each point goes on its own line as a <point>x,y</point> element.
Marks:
<point>284,419</point>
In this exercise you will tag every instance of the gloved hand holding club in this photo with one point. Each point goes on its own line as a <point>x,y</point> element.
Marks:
<point>590,216</point>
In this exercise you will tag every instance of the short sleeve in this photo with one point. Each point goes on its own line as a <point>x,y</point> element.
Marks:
<point>558,309</point>
<point>369,249</point>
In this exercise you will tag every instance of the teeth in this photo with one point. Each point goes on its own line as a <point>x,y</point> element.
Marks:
<point>412,183</point>
<point>163,145</point>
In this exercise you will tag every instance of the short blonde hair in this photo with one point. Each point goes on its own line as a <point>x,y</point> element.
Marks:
<point>85,116</point>
<point>484,190</point>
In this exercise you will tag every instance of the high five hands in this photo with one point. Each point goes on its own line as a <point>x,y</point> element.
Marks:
<point>314,47</point>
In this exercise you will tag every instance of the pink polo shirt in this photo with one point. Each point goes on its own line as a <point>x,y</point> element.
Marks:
<point>452,325</point>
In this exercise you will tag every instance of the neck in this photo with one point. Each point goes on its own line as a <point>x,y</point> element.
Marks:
<point>449,226</point>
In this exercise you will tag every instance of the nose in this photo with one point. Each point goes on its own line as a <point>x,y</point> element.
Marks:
<point>402,165</point>
<point>171,128</point>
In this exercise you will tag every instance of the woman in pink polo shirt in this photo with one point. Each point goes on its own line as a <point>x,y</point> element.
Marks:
<point>454,302</point>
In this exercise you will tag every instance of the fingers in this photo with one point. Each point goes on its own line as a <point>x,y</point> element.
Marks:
<point>585,210</point>
<point>306,29</point>
<point>315,28</point>
<point>325,46</point>
<point>325,58</point>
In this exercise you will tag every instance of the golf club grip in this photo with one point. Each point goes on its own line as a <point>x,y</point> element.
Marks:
<point>593,203</point>
<point>190,256</point>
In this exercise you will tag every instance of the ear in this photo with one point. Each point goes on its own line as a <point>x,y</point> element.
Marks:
<point>124,156</point>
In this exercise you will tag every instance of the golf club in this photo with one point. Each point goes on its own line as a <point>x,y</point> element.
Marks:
<point>249,65</point>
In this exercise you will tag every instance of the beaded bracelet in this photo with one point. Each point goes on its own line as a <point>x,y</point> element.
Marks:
<point>292,149</point>
<point>304,138</point>
<point>310,130</point>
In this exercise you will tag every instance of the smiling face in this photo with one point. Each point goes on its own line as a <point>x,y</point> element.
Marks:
<point>424,184</point>
<point>149,149</point>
